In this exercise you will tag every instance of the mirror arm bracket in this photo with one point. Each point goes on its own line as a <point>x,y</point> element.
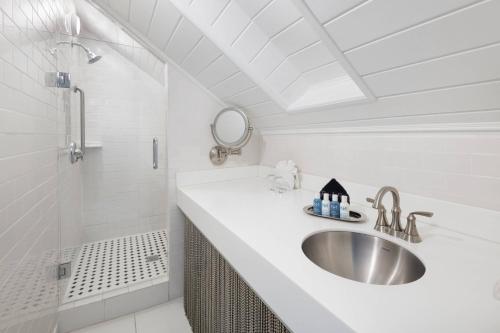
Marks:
<point>234,151</point>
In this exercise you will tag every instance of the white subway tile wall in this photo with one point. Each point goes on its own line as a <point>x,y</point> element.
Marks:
<point>458,167</point>
<point>126,109</point>
<point>31,129</point>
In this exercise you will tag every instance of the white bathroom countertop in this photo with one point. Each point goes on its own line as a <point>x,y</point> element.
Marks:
<point>260,233</point>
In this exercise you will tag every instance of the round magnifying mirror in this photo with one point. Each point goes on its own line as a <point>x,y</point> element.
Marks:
<point>231,128</point>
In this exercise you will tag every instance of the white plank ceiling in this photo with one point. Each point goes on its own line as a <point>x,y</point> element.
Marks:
<point>272,57</point>
<point>248,53</point>
<point>97,26</point>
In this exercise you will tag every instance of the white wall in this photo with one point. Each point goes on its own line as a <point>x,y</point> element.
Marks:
<point>126,108</point>
<point>31,129</point>
<point>190,112</point>
<point>434,64</point>
<point>458,167</point>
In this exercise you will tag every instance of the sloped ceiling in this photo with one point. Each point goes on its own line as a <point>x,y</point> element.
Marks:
<point>272,57</point>
<point>95,25</point>
<point>260,55</point>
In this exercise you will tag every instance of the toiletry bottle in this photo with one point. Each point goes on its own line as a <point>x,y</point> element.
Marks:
<point>317,204</point>
<point>344,208</point>
<point>335,206</point>
<point>325,205</point>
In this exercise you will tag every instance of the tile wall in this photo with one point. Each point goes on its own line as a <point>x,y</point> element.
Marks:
<point>30,134</point>
<point>457,167</point>
<point>126,108</point>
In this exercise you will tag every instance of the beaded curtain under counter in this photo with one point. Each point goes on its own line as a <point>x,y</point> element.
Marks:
<point>216,298</point>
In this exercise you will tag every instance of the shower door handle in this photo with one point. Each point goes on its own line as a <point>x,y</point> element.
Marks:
<point>155,153</point>
<point>75,153</point>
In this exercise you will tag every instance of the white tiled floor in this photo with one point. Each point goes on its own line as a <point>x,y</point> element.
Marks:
<point>165,318</point>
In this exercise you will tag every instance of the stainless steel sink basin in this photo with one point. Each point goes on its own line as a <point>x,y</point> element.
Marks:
<point>363,258</point>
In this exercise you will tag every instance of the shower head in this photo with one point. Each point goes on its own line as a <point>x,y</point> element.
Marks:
<point>93,58</point>
<point>90,55</point>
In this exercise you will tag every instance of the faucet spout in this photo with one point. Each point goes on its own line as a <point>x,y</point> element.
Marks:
<point>395,228</point>
<point>382,192</point>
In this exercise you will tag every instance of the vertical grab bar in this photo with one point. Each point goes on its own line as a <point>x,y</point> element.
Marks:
<point>75,153</point>
<point>82,119</point>
<point>155,153</point>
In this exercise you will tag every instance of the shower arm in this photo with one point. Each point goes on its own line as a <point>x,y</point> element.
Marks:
<point>90,55</point>
<point>72,43</point>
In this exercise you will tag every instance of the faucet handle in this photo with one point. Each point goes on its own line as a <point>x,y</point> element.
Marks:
<point>410,233</point>
<point>382,224</point>
<point>426,214</point>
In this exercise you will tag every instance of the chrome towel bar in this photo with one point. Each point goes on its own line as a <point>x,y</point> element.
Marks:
<point>155,153</point>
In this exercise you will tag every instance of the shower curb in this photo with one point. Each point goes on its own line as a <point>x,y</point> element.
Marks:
<point>93,311</point>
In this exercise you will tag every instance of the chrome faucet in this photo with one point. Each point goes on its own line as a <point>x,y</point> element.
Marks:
<point>381,224</point>
<point>410,232</point>
<point>395,228</point>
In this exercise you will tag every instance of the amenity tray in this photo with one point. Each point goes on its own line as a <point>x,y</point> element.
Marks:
<point>354,216</point>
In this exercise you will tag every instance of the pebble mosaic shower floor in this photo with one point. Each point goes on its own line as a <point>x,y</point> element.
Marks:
<point>117,263</point>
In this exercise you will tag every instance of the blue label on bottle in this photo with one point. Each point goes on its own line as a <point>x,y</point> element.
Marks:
<point>317,206</point>
<point>335,209</point>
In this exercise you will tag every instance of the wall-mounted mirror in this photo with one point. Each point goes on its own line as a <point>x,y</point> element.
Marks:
<point>231,130</point>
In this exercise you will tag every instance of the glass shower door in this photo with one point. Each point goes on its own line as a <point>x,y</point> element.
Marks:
<point>119,187</point>
<point>29,148</point>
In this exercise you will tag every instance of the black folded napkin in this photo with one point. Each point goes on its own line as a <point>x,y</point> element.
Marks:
<point>334,187</point>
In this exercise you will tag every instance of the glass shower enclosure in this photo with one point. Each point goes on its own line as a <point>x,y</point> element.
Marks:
<point>117,243</point>
<point>87,229</point>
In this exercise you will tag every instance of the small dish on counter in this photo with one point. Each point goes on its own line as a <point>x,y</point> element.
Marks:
<point>354,216</point>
